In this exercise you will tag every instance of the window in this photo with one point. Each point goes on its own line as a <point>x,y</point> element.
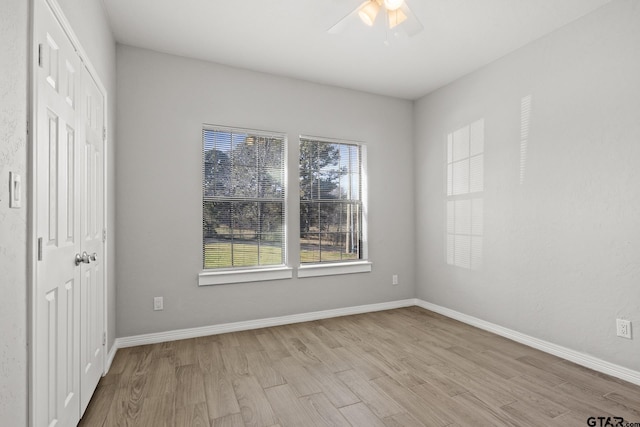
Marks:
<point>332,212</point>
<point>465,184</point>
<point>243,202</point>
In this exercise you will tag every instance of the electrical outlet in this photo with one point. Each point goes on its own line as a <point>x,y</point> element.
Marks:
<point>394,279</point>
<point>158,303</point>
<point>623,328</point>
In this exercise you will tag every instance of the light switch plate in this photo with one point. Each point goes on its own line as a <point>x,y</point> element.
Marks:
<point>15,190</point>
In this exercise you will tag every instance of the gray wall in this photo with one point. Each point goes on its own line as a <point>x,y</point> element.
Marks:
<point>90,23</point>
<point>13,222</point>
<point>163,101</point>
<point>560,248</point>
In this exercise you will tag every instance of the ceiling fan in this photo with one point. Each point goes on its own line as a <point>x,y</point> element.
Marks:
<point>397,16</point>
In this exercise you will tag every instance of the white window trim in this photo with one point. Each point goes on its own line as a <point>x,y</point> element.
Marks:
<point>334,268</point>
<point>224,277</point>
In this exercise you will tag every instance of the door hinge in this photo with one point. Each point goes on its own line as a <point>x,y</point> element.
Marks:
<point>40,55</point>
<point>104,338</point>
<point>39,250</point>
<point>104,235</point>
<point>104,134</point>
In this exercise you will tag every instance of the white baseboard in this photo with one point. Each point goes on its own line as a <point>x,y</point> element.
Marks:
<point>577,357</point>
<point>557,350</point>
<point>202,331</point>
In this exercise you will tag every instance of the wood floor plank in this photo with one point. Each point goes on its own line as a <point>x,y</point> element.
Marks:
<point>125,408</point>
<point>428,415</point>
<point>515,365</point>
<point>209,356</point>
<point>376,399</point>
<point>127,402</point>
<point>323,412</point>
<point>595,398</point>
<point>460,414</point>
<point>261,366</point>
<point>324,335</point>
<point>291,412</point>
<point>228,340</point>
<point>97,413</point>
<point>296,347</point>
<point>352,335</point>
<point>559,396</point>
<point>337,392</point>
<point>430,375</point>
<point>189,386</point>
<point>235,360</point>
<point>359,414</point>
<point>354,356</point>
<point>186,352</point>
<point>629,398</point>
<point>294,372</point>
<point>255,408</point>
<point>272,345</point>
<point>390,365</point>
<point>161,378</point>
<point>249,341</point>
<point>570,419</point>
<point>158,411</point>
<point>219,394</point>
<point>524,416</point>
<point>402,420</point>
<point>485,391</point>
<point>193,415</point>
<point>329,357</point>
<point>581,378</point>
<point>401,367</point>
<point>488,413</point>
<point>232,420</point>
<point>494,365</point>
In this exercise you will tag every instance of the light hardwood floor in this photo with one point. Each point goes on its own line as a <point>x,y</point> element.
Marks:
<point>404,367</point>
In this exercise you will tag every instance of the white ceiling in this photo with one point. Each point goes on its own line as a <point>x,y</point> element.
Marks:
<point>289,37</point>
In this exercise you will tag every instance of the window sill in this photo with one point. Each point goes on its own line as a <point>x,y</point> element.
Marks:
<point>207,278</point>
<point>315,270</point>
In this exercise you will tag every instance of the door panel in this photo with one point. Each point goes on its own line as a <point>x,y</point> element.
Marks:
<point>92,310</point>
<point>57,292</point>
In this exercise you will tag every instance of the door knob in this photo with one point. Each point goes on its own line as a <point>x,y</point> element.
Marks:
<point>94,257</point>
<point>84,258</point>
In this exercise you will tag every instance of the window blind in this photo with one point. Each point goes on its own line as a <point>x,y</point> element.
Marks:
<point>243,196</point>
<point>330,174</point>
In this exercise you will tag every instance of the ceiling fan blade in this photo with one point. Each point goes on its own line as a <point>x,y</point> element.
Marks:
<point>351,16</point>
<point>411,24</point>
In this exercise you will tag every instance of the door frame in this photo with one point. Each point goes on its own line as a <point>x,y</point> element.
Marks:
<point>32,246</point>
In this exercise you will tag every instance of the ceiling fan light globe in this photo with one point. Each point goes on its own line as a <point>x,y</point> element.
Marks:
<point>369,12</point>
<point>393,4</point>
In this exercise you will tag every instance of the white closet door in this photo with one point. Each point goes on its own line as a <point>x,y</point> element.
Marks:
<point>92,306</point>
<point>68,296</point>
<point>57,293</point>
